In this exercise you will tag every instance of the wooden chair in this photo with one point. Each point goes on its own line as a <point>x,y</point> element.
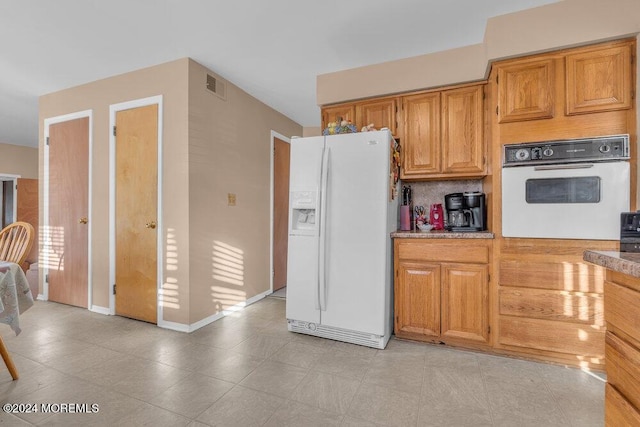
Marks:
<point>16,241</point>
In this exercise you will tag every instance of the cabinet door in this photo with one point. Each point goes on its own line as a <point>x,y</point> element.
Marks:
<point>465,302</point>
<point>336,112</point>
<point>599,80</point>
<point>421,145</point>
<point>525,91</point>
<point>417,299</point>
<point>380,113</point>
<point>462,130</point>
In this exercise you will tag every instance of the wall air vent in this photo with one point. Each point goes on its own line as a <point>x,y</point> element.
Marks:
<point>216,86</point>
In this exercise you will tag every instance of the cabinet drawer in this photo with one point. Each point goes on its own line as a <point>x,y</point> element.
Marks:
<point>559,275</point>
<point>560,337</point>
<point>617,410</point>
<point>444,252</point>
<point>621,313</point>
<point>623,367</point>
<point>563,306</point>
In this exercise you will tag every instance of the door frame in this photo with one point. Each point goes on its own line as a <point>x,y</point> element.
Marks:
<point>44,235</point>
<point>5,177</point>
<point>113,109</point>
<point>281,137</point>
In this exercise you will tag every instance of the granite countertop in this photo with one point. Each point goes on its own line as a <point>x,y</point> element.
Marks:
<point>623,262</point>
<point>442,234</point>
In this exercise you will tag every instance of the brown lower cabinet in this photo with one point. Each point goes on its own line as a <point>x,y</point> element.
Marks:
<point>442,291</point>
<point>622,349</point>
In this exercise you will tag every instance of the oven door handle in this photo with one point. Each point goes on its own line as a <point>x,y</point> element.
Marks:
<point>559,167</point>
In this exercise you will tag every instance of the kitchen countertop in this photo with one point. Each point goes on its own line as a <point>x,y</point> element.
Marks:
<point>623,262</point>
<point>442,234</point>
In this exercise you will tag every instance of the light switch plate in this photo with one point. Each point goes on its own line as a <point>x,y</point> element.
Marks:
<point>231,197</point>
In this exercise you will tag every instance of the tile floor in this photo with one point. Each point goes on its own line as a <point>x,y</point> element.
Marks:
<point>247,370</point>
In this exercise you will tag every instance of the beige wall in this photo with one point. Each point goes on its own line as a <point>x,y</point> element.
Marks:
<point>563,24</point>
<point>211,147</point>
<point>18,160</point>
<point>171,81</point>
<point>229,152</point>
<point>311,131</point>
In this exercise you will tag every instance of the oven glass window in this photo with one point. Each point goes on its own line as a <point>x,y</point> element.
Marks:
<point>583,189</point>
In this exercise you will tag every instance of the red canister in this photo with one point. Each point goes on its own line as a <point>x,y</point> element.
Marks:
<point>436,216</point>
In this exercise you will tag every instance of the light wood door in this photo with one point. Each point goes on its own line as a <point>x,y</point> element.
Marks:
<point>417,299</point>
<point>336,112</point>
<point>381,113</point>
<point>462,130</point>
<point>27,211</point>
<point>280,212</point>
<point>599,80</point>
<point>136,212</point>
<point>421,146</point>
<point>465,302</point>
<point>68,212</point>
<point>525,91</point>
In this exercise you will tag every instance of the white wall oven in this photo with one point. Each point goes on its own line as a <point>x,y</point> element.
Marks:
<point>570,189</point>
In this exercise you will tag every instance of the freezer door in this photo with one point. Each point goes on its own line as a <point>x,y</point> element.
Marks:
<point>302,279</point>
<point>357,258</point>
<point>302,257</point>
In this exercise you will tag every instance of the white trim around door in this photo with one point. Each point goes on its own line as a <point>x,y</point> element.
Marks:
<point>45,237</point>
<point>5,177</point>
<point>113,109</point>
<point>274,135</point>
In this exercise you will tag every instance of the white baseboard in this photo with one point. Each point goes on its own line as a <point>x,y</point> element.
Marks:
<point>100,310</point>
<point>181,327</point>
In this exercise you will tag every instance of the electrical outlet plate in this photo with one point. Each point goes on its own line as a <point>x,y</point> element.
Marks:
<point>231,197</point>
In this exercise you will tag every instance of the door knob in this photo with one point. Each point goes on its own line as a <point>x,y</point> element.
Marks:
<point>151,224</point>
<point>83,220</point>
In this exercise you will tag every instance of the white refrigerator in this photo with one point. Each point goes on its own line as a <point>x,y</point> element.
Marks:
<point>341,212</point>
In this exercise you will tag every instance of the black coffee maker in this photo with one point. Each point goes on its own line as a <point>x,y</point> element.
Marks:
<point>456,215</point>
<point>476,204</point>
<point>466,211</point>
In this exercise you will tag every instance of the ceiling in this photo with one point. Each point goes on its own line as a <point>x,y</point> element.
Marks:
<point>272,49</point>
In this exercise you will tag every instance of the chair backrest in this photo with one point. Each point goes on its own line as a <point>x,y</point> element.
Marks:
<point>15,242</point>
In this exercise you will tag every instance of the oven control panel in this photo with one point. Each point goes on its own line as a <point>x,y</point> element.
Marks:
<point>598,149</point>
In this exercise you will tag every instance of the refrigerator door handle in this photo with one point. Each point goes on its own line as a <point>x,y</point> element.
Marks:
<point>322,261</point>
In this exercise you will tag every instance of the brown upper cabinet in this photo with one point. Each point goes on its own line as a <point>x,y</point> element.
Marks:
<point>577,81</point>
<point>525,90</point>
<point>599,80</point>
<point>443,134</point>
<point>421,142</point>
<point>382,113</point>
<point>334,112</point>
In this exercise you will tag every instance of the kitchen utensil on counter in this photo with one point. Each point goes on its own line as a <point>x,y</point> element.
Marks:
<point>406,195</point>
<point>436,217</point>
<point>420,215</point>
<point>405,218</point>
<point>425,227</point>
<point>405,209</point>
